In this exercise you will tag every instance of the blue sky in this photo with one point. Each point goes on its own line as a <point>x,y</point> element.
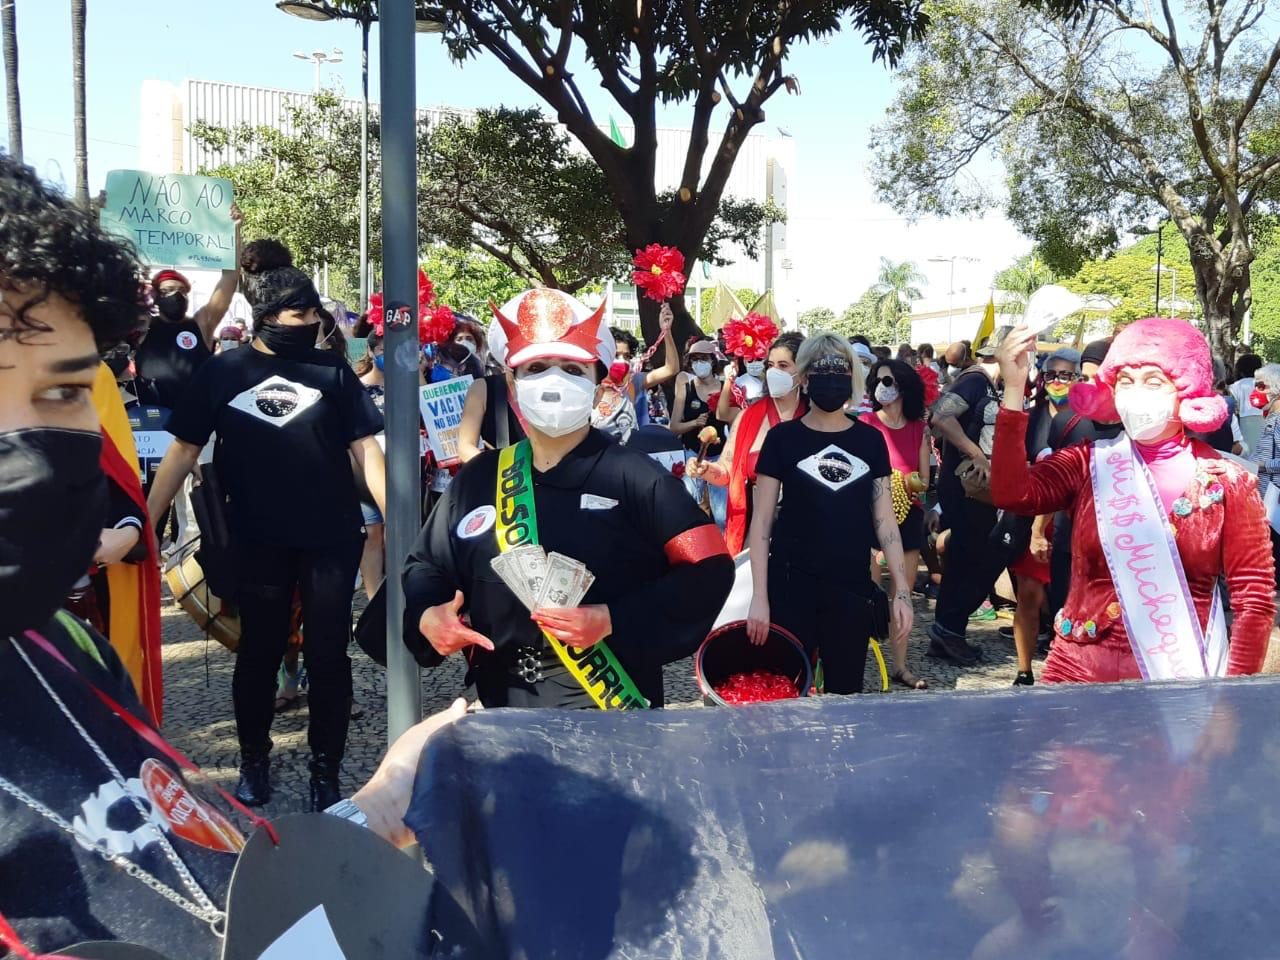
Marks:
<point>837,232</point>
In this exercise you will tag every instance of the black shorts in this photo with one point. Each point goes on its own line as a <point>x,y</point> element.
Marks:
<point>911,529</point>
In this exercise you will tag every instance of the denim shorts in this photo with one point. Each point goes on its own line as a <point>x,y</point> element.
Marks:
<point>371,514</point>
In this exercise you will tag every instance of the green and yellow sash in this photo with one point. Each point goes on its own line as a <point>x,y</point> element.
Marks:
<point>596,667</point>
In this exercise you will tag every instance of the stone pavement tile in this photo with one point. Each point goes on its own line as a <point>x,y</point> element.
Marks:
<point>199,721</point>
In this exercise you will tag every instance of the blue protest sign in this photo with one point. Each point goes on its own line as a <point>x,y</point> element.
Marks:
<point>173,219</point>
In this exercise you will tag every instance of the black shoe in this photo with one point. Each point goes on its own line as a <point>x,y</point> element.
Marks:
<point>1042,643</point>
<point>1025,678</point>
<point>945,645</point>
<point>254,789</point>
<point>1006,633</point>
<point>324,783</point>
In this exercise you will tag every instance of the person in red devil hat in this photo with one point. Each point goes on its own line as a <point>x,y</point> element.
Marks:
<point>654,567</point>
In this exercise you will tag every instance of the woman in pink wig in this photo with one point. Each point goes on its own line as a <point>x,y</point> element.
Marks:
<point>1151,534</point>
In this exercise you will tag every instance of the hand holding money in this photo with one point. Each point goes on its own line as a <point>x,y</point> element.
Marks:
<point>576,627</point>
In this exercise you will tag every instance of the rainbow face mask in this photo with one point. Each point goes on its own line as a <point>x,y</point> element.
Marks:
<point>1057,393</point>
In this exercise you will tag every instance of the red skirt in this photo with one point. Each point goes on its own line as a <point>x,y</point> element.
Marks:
<point>1028,566</point>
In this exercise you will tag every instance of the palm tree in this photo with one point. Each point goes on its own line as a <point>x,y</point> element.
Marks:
<point>77,75</point>
<point>896,288</point>
<point>9,27</point>
<point>1020,281</point>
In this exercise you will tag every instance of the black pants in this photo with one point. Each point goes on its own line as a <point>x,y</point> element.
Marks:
<point>829,617</point>
<point>325,577</point>
<point>972,563</point>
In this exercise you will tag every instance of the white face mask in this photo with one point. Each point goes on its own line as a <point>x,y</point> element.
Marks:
<point>701,369</point>
<point>1145,413</point>
<point>886,394</point>
<point>470,347</point>
<point>229,345</point>
<point>555,402</point>
<point>953,371</point>
<point>755,367</point>
<point>780,382</point>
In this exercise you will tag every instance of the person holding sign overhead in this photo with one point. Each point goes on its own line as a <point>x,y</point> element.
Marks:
<point>566,515</point>
<point>178,344</point>
<point>1150,535</point>
<point>289,417</point>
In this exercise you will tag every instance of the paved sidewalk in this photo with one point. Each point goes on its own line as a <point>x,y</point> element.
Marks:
<point>198,718</point>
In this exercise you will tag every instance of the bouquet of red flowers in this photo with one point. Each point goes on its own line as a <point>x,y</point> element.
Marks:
<point>750,337</point>
<point>435,324</point>
<point>435,321</point>
<point>659,272</point>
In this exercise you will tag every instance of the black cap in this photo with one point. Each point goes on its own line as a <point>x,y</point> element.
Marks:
<point>1095,352</point>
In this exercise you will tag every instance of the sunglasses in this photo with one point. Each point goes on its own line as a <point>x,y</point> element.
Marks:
<point>887,382</point>
<point>1061,376</point>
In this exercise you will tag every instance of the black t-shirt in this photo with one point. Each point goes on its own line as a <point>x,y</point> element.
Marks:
<point>694,407</point>
<point>660,565</point>
<point>977,419</point>
<point>825,522</point>
<point>284,430</point>
<point>53,890</point>
<point>168,359</point>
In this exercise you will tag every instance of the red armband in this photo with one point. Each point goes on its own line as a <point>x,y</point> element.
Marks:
<point>695,545</point>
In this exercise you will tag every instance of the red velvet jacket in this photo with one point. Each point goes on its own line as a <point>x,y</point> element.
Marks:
<point>1207,543</point>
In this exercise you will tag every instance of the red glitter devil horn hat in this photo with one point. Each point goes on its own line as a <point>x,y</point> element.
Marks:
<point>551,324</point>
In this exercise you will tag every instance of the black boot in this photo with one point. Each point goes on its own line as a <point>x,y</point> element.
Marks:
<point>945,645</point>
<point>324,782</point>
<point>1025,678</point>
<point>254,789</point>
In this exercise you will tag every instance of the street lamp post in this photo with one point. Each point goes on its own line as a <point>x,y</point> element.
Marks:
<point>319,57</point>
<point>425,21</point>
<point>951,288</point>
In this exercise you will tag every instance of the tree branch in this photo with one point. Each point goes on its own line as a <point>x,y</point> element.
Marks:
<point>1255,92</point>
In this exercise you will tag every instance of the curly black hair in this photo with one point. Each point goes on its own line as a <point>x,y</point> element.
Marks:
<point>910,387</point>
<point>258,260</point>
<point>50,244</point>
<point>627,337</point>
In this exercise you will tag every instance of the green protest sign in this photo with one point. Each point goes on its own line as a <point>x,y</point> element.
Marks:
<point>172,219</point>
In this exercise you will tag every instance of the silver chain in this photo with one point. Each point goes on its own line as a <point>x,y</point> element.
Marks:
<point>203,908</point>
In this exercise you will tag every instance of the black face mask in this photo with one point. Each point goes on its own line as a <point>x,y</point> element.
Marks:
<point>117,360</point>
<point>830,391</point>
<point>172,306</point>
<point>53,501</point>
<point>292,343</point>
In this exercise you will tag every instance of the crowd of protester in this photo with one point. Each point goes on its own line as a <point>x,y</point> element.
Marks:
<point>976,483</point>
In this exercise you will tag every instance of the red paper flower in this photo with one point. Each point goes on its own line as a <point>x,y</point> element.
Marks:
<point>659,272</point>
<point>930,378</point>
<point>677,469</point>
<point>426,307</point>
<point>435,325</point>
<point>750,337</point>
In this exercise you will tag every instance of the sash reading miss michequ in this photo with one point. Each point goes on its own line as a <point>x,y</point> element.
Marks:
<point>596,668</point>
<point>1142,555</point>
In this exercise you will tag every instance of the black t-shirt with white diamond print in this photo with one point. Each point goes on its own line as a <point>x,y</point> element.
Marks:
<point>284,429</point>
<point>825,522</point>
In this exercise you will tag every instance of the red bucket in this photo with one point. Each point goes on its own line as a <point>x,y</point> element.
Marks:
<point>727,652</point>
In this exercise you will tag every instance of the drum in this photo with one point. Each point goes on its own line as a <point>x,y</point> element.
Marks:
<point>187,583</point>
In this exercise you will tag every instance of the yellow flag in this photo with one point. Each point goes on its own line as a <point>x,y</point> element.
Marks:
<point>988,325</point>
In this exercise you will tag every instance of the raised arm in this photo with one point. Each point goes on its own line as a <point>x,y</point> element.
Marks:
<point>726,412</point>
<point>210,315</point>
<point>670,355</point>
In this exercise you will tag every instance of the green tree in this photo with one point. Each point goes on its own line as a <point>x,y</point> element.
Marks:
<point>1099,122</point>
<point>468,279</point>
<point>1020,280</point>
<point>508,183</point>
<point>896,286</point>
<point>717,56</point>
<point>301,185</point>
<point>865,317</point>
<point>817,318</point>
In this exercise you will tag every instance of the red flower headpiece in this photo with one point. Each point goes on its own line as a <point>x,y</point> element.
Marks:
<point>426,308</point>
<point>930,378</point>
<point>750,337</point>
<point>435,325</point>
<point>659,272</point>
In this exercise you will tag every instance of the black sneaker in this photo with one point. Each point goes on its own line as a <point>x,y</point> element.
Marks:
<point>1025,678</point>
<point>1006,633</point>
<point>254,788</point>
<point>945,645</point>
<point>324,783</point>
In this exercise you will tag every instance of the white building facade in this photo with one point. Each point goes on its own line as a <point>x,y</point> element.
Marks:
<point>764,166</point>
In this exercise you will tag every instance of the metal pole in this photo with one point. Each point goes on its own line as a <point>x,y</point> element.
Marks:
<point>364,167</point>
<point>951,295</point>
<point>400,288</point>
<point>1159,259</point>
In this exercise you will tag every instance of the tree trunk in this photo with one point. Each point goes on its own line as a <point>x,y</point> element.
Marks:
<point>9,28</point>
<point>1222,295</point>
<point>77,73</point>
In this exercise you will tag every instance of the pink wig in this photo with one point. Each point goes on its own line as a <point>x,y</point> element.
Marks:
<point>1177,348</point>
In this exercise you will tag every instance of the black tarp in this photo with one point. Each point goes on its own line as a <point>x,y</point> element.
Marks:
<point>1110,821</point>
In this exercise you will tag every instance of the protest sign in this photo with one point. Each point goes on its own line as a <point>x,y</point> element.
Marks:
<point>441,405</point>
<point>150,439</point>
<point>173,219</point>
